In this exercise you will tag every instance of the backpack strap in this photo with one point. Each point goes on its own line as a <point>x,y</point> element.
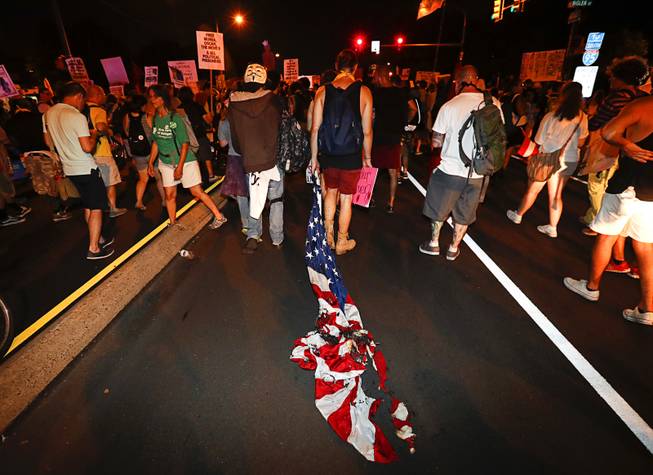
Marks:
<point>463,156</point>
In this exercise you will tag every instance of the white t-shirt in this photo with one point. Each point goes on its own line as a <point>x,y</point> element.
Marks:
<point>553,133</point>
<point>65,124</point>
<point>450,119</point>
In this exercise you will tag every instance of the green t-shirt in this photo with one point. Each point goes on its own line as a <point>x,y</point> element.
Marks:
<point>162,134</point>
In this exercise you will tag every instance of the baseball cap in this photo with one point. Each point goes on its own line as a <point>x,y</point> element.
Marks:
<point>256,73</point>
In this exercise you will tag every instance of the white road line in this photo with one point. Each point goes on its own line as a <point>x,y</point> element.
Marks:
<point>626,413</point>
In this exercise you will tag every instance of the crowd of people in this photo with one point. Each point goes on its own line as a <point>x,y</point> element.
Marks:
<point>73,148</point>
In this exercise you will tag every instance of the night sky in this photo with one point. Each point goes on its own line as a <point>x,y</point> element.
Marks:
<point>154,31</point>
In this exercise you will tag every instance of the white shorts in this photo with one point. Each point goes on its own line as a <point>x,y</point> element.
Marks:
<point>189,178</point>
<point>108,170</point>
<point>625,215</point>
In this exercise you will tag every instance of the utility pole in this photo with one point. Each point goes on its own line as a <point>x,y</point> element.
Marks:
<point>61,28</point>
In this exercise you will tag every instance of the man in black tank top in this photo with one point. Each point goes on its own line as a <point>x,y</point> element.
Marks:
<point>627,207</point>
<point>341,143</point>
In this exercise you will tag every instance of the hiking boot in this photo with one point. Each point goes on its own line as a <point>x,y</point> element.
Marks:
<point>61,216</point>
<point>114,213</point>
<point>452,254</point>
<point>250,246</point>
<point>426,248</point>
<point>328,226</point>
<point>513,216</point>
<point>103,253</point>
<point>11,220</point>
<point>217,222</point>
<point>344,244</point>
<point>634,272</point>
<point>589,232</point>
<point>623,268</point>
<point>548,230</point>
<point>580,287</point>
<point>635,315</point>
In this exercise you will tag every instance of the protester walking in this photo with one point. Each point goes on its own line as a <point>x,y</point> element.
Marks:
<point>177,162</point>
<point>255,116</point>
<point>200,121</point>
<point>139,146</point>
<point>563,131</point>
<point>337,150</point>
<point>68,130</point>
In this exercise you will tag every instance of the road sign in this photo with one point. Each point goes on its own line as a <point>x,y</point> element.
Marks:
<point>586,76</point>
<point>376,47</point>
<point>594,41</point>
<point>590,56</point>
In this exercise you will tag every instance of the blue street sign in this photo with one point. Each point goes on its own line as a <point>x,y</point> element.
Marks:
<point>590,57</point>
<point>594,41</point>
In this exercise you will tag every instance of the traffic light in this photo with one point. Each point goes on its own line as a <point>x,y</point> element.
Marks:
<point>400,41</point>
<point>497,10</point>
<point>359,43</point>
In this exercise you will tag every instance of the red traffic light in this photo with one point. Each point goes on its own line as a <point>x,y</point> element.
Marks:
<point>400,40</point>
<point>360,41</point>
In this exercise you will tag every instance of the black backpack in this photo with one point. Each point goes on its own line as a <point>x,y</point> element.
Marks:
<point>341,132</point>
<point>293,146</point>
<point>489,139</point>
<point>138,143</point>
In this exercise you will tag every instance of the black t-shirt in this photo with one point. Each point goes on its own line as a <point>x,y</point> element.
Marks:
<point>195,113</point>
<point>25,130</point>
<point>633,173</point>
<point>390,112</point>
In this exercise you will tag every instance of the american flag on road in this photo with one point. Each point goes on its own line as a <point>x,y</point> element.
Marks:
<point>339,351</point>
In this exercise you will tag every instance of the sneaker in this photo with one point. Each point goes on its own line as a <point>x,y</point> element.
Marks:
<point>426,248</point>
<point>114,213</point>
<point>106,242</point>
<point>243,231</point>
<point>452,255</point>
<point>61,216</point>
<point>634,272</point>
<point>176,225</point>
<point>250,246</point>
<point>580,287</point>
<point>389,209</point>
<point>589,231</point>
<point>11,220</point>
<point>548,230</point>
<point>213,179</point>
<point>24,211</point>
<point>623,268</point>
<point>140,207</point>
<point>404,176</point>
<point>635,315</point>
<point>217,222</point>
<point>513,216</point>
<point>103,253</point>
<point>278,245</point>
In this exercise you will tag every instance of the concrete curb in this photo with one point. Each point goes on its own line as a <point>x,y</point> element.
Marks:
<point>28,373</point>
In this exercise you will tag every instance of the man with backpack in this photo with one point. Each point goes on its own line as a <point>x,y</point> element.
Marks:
<point>341,130</point>
<point>473,144</point>
<point>254,117</point>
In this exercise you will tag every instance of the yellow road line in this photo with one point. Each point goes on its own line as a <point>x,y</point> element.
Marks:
<point>68,301</point>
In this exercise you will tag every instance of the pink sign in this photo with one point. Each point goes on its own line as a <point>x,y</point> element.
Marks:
<point>115,70</point>
<point>365,187</point>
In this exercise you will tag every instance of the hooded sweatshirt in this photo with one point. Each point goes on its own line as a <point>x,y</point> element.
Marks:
<point>255,118</point>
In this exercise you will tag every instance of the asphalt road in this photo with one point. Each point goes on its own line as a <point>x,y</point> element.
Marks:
<point>194,376</point>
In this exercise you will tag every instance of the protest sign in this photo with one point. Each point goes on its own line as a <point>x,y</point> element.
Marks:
<point>405,74</point>
<point>117,90</point>
<point>182,73</point>
<point>77,71</point>
<point>365,187</point>
<point>291,69</point>
<point>151,75</point>
<point>115,70</point>
<point>7,86</point>
<point>586,76</point>
<point>210,50</point>
<point>542,65</point>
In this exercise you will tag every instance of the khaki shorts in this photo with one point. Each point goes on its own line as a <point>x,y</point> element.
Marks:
<point>625,215</point>
<point>189,178</point>
<point>108,170</point>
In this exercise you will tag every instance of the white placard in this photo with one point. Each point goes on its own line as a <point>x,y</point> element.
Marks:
<point>376,46</point>
<point>182,73</point>
<point>151,75</point>
<point>7,86</point>
<point>115,71</point>
<point>291,69</point>
<point>586,75</point>
<point>210,50</point>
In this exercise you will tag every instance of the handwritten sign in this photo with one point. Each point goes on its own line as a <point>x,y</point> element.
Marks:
<point>291,70</point>
<point>182,73</point>
<point>77,70</point>
<point>151,75</point>
<point>115,71</point>
<point>542,65</point>
<point>210,50</point>
<point>117,90</point>
<point>365,187</point>
<point>7,86</point>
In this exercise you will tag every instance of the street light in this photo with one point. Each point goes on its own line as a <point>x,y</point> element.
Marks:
<point>239,19</point>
